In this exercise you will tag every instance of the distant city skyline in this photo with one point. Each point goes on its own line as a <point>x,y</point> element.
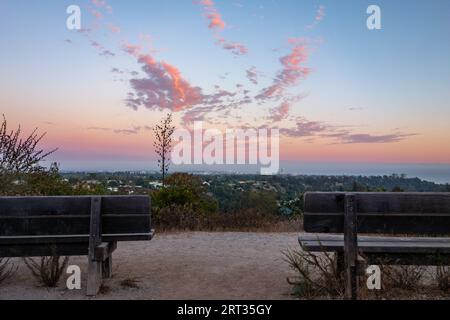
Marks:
<point>338,92</point>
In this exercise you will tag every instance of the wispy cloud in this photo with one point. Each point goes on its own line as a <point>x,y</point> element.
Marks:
<point>252,75</point>
<point>161,85</point>
<point>102,4</point>
<point>320,15</point>
<point>316,129</point>
<point>217,25</point>
<point>113,28</point>
<point>293,70</point>
<point>235,47</point>
<point>102,50</point>
<point>131,131</point>
<point>281,112</point>
<point>215,18</point>
<point>364,138</point>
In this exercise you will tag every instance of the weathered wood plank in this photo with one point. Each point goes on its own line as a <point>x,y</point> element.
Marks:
<point>40,216</point>
<point>385,250</point>
<point>107,260</point>
<point>35,206</point>
<point>119,205</point>
<point>406,245</point>
<point>95,241</point>
<point>381,202</point>
<point>42,240</point>
<point>62,225</point>
<point>43,250</point>
<point>389,213</point>
<point>350,247</point>
<point>103,250</point>
<point>78,205</point>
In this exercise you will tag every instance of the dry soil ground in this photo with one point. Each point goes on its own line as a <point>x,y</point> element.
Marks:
<point>181,266</point>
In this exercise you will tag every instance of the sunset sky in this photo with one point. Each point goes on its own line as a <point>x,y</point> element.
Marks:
<point>337,91</point>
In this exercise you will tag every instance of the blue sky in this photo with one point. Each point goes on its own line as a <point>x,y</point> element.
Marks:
<point>384,93</point>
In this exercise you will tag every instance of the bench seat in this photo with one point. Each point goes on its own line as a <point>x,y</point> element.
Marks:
<point>388,250</point>
<point>70,245</point>
<point>80,238</point>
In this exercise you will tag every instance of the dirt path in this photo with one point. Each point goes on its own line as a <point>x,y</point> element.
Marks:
<point>183,266</point>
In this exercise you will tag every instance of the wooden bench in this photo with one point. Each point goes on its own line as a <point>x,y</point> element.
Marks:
<point>73,226</point>
<point>421,221</point>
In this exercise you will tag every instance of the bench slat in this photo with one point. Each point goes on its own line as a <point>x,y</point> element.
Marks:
<point>72,245</point>
<point>54,216</point>
<point>384,213</point>
<point>335,243</point>
<point>62,225</point>
<point>74,238</point>
<point>80,205</point>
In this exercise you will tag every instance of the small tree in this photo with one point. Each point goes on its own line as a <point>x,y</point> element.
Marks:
<point>20,155</point>
<point>163,144</point>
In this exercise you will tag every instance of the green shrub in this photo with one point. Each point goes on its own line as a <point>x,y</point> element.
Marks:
<point>182,203</point>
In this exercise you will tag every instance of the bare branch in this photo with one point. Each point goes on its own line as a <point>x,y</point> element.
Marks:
<point>20,155</point>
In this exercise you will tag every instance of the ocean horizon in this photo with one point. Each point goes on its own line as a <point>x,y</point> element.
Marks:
<point>437,173</point>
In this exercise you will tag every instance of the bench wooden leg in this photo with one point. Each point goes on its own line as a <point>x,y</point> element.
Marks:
<point>351,283</point>
<point>95,245</point>
<point>340,263</point>
<point>351,248</point>
<point>107,267</point>
<point>94,280</point>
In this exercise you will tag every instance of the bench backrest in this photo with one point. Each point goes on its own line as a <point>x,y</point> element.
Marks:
<point>122,218</point>
<point>380,213</point>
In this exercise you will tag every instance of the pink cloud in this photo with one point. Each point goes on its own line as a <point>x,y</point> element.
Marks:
<point>320,15</point>
<point>217,24</point>
<point>100,5</point>
<point>213,15</point>
<point>236,48</point>
<point>113,28</point>
<point>293,70</point>
<point>98,15</point>
<point>215,21</point>
<point>281,112</point>
<point>163,87</point>
<point>252,75</point>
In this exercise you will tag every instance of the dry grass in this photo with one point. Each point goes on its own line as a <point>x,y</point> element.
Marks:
<point>407,278</point>
<point>318,275</point>
<point>104,289</point>
<point>442,278</point>
<point>130,283</point>
<point>319,278</point>
<point>48,271</point>
<point>7,269</point>
<point>184,218</point>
